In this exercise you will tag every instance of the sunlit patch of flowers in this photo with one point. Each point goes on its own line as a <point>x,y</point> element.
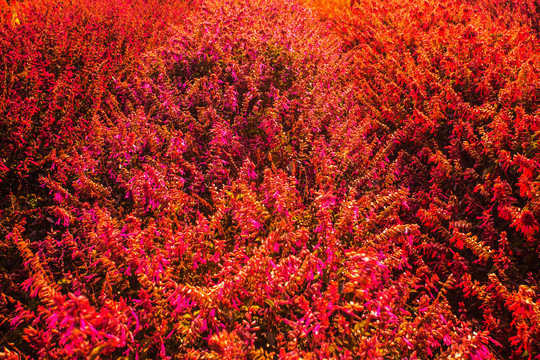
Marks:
<point>252,179</point>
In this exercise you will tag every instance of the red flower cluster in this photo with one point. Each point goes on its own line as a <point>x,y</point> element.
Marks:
<point>242,179</point>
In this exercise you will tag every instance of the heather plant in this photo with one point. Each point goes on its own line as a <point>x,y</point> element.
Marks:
<point>244,179</point>
<point>455,85</point>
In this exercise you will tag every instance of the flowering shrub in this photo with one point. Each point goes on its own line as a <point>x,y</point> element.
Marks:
<point>454,85</point>
<point>243,179</point>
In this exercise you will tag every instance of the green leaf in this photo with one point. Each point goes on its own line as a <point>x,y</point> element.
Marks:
<point>97,351</point>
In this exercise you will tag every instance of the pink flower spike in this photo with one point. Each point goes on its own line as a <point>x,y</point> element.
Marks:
<point>137,324</point>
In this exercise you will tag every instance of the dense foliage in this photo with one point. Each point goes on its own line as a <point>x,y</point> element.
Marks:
<point>248,179</point>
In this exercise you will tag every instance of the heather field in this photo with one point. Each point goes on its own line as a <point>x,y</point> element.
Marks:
<point>270,179</point>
